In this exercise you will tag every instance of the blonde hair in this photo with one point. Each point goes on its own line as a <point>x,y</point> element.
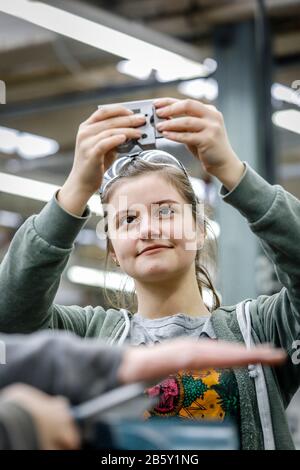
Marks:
<point>207,255</point>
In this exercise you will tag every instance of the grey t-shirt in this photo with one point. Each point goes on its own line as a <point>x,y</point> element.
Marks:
<point>149,331</point>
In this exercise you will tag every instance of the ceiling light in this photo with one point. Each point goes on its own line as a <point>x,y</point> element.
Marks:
<point>33,146</point>
<point>26,145</point>
<point>10,219</point>
<point>109,39</point>
<point>98,278</point>
<point>200,88</point>
<point>285,93</point>
<point>211,64</point>
<point>288,119</point>
<point>134,69</point>
<point>38,190</point>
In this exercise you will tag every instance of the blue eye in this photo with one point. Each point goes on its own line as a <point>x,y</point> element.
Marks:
<point>169,208</point>
<point>166,207</point>
<point>160,209</point>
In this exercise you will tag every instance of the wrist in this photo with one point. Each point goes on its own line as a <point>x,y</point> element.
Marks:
<point>73,198</point>
<point>230,173</point>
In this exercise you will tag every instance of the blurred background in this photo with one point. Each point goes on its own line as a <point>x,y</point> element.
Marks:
<point>57,66</point>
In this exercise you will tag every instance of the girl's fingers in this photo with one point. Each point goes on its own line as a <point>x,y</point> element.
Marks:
<point>188,138</point>
<point>161,102</point>
<point>191,354</point>
<point>130,133</point>
<point>109,143</point>
<point>184,107</point>
<point>107,112</point>
<point>134,120</point>
<point>105,141</point>
<point>191,124</point>
<point>224,354</point>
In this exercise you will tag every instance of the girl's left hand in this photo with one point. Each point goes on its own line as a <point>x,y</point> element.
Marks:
<point>201,127</point>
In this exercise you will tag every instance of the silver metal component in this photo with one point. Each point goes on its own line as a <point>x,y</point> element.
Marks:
<point>149,131</point>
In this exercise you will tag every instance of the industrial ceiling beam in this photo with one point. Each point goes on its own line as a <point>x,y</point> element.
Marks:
<point>103,30</point>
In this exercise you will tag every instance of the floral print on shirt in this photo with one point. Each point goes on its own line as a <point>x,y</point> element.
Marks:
<point>205,394</point>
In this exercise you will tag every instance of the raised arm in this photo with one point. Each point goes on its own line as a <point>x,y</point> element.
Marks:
<point>31,270</point>
<point>273,215</point>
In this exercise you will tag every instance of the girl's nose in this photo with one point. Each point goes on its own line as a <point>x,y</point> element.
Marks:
<point>149,227</point>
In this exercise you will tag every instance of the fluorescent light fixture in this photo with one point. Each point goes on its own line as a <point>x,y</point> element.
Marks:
<point>288,119</point>
<point>168,74</point>
<point>114,281</point>
<point>26,187</point>
<point>134,69</point>
<point>8,138</point>
<point>95,278</point>
<point>33,146</point>
<point>211,64</point>
<point>38,190</point>
<point>10,219</point>
<point>26,145</point>
<point>285,93</point>
<point>200,88</point>
<point>109,39</point>
<point>142,72</point>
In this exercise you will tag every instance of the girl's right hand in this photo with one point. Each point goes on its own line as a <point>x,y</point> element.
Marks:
<point>95,151</point>
<point>145,363</point>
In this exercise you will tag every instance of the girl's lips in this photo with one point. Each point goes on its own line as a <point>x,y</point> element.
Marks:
<point>153,250</point>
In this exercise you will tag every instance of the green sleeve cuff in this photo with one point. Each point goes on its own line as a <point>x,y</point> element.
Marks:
<point>252,196</point>
<point>57,226</point>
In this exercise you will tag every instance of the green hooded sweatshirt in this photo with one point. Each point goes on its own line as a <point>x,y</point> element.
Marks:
<point>31,270</point>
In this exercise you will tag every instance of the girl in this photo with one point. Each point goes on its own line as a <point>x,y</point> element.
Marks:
<point>169,280</point>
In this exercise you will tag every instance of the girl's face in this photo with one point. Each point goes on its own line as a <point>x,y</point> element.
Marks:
<point>147,211</point>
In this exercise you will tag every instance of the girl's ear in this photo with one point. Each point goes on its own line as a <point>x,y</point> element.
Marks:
<point>113,256</point>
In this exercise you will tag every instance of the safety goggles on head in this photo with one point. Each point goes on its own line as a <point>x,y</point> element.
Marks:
<point>156,157</point>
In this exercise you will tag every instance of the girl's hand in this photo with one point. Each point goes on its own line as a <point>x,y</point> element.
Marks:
<point>145,363</point>
<point>95,151</point>
<point>201,127</point>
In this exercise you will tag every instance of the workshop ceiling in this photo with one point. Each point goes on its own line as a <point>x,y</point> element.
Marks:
<point>54,83</point>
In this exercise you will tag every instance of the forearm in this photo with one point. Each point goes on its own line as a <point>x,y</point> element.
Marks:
<point>72,198</point>
<point>26,291</point>
<point>273,215</point>
<point>61,364</point>
<point>230,173</point>
<point>31,270</point>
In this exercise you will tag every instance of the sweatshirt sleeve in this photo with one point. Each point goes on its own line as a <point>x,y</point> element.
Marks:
<point>273,215</point>
<point>60,363</point>
<point>30,274</point>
